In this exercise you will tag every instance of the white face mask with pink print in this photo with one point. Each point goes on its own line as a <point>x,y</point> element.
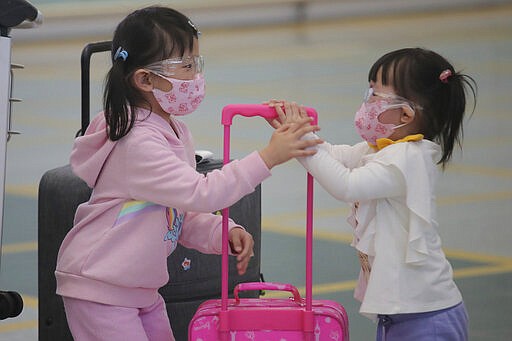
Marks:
<point>367,121</point>
<point>367,117</point>
<point>184,97</point>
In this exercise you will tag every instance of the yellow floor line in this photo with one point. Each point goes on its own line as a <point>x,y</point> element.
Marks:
<point>473,169</point>
<point>30,301</point>
<point>478,257</point>
<point>292,216</point>
<point>492,264</point>
<point>19,247</point>
<point>29,191</point>
<point>17,326</point>
<point>472,198</point>
<point>345,238</point>
<point>14,325</point>
<point>318,289</point>
<point>480,271</point>
<point>329,288</point>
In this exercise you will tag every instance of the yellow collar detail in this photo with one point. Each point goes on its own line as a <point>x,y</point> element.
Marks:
<point>384,142</point>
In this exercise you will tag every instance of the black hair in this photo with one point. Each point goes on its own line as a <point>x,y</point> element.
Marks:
<point>147,35</point>
<point>414,73</point>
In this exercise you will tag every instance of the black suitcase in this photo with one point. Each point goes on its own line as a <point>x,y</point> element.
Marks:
<point>194,277</point>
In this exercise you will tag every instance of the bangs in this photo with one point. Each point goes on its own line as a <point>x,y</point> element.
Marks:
<point>396,71</point>
<point>173,43</point>
<point>171,33</point>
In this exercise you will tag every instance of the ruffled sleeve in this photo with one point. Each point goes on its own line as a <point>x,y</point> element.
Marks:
<point>416,161</point>
<point>401,170</point>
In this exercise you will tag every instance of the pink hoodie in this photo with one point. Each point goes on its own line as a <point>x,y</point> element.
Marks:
<point>147,197</point>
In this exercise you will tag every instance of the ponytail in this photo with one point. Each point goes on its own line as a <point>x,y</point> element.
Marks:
<point>116,102</point>
<point>453,106</point>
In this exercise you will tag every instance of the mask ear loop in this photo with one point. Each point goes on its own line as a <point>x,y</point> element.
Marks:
<point>167,79</point>
<point>406,107</point>
<point>403,106</point>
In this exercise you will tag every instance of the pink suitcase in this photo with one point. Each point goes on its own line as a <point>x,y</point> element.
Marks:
<point>267,319</point>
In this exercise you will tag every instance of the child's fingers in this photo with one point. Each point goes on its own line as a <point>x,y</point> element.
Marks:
<point>248,250</point>
<point>306,147</point>
<point>242,266</point>
<point>280,114</point>
<point>246,253</point>
<point>289,110</point>
<point>273,122</point>
<point>245,245</point>
<point>293,110</point>
<point>307,128</point>
<point>301,124</point>
<point>306,152</point>
<point>302,111</point>
<point>236,245</point>
<point>310,143</point>
<point>273,102</point>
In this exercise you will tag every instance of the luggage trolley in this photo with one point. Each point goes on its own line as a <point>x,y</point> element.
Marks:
<point>13,14</point>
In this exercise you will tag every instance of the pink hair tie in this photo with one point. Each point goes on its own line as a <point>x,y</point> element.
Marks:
<point>444,75</point>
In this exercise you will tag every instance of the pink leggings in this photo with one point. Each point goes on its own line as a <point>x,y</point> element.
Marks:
<point>90,321</point>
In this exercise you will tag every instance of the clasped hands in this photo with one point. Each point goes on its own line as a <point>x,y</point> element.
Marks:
<point>287,113</point>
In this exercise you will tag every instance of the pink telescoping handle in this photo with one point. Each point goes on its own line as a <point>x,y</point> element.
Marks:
<point>250,110</point>
<point>248,286</point>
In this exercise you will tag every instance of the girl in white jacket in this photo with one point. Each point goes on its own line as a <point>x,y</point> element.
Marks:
<point>410,120</point>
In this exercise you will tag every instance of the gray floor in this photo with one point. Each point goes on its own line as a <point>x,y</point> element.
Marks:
<point>320,64</point>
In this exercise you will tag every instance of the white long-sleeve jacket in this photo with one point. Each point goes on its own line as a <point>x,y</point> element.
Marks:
<point>394,220</point>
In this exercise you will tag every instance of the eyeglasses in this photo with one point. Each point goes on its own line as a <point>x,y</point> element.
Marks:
<point>186,67</point>
<point>393,101</point>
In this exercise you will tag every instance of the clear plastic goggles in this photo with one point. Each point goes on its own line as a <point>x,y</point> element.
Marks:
<point>181,68</point>
<point>392,101</point>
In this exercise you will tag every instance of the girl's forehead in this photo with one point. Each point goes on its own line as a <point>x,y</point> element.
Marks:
<point>388,76</point>
<point>195,47</point>
<point>187,52</point>
<point>379,87</point>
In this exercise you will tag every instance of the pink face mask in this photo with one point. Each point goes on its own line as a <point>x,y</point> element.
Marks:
<point>184,97</point>
<point>367,121</point>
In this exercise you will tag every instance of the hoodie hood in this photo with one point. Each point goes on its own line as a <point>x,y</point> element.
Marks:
<point>91,150</point>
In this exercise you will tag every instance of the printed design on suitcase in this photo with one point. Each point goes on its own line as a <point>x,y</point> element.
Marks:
<point>326,328</point>
<point>205,326</point>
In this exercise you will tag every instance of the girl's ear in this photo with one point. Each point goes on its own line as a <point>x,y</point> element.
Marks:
<point>142,80</point>
<point>407,115</point>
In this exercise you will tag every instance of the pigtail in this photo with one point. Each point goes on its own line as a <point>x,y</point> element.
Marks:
<point>455,87</point>
<point>116,103</point>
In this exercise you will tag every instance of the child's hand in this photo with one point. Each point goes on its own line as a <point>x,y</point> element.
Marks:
<point>286,142</point>
<point>274,103</point>
<point>287,112</point>
<point>242,245</point>
<point>293,113</point>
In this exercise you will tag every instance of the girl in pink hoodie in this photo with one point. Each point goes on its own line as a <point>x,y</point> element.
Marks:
<point>147,196</point>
